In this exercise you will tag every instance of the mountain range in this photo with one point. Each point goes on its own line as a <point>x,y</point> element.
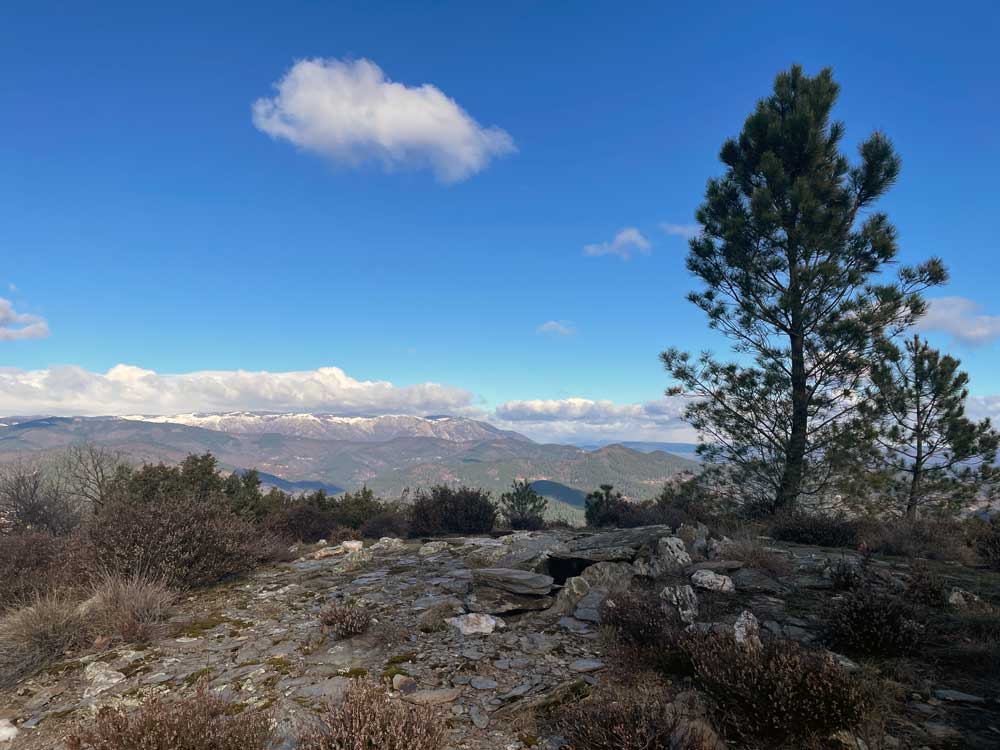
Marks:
<point>386,453</point>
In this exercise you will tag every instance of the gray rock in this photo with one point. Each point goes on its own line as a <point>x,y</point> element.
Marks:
<point>683,600</point>
<point>433,697</point>
<point>495,601</point>
<point>588,608</point>
<point>754,582</point>
<point>513,580</point>
<point>569,596</point>
<point>716,566</point>
<point>609,575</point>
<point>433,548</point>
<point>475,623</point>
<point>747,628</point>
<point>483,683</point>
<point>586,665</point>
<point>956,696</point>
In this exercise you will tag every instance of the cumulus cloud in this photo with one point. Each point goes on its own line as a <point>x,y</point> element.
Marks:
<point>15,325</point>
<point>962,318</point>
<point>348,111</point>
<point>557,328</point>
<point>623,245</point>
<point>581,419</point>
<point>682,230</point>
<point>125,389</point>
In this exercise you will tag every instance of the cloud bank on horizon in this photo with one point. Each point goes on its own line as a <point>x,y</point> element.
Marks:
<point>350,112</point>
<point>125,389</point>
<point>962,318</point>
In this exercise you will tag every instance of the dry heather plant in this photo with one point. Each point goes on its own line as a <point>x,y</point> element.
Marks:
<point>776,691</point>
<point>639,717</point>
<point>201,722</point>
<point>345,620</point>
<point>432,619</point>
<point>38,634</point>
<point>640,635</point>
<point>369,719</point>
<point>130,608</point>
<point>869,621</point>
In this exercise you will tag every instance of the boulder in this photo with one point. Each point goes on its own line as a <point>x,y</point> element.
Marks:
<point>609,575</point>
<point>496,601</point>
<point>670,555</point>
<point>7,731</point>
<point>352,545</point>
<point>683,600</point>
<point>755,582</point>
<point>706,579</point>
<point>747,628</point>
<point>571,593</point>
<point>513,580</point>
<point>389,544</point>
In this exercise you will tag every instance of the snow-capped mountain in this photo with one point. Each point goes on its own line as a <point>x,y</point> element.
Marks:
<point>333,427</point>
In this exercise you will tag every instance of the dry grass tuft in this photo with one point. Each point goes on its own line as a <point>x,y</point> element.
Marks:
<point>38,634</point>
<point>369,719</point>
<point>752,552</point>
<point>131,609</point>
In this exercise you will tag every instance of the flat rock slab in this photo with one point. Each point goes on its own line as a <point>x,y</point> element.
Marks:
<point>514,580</point>
<point>433,697</point>
<point>957,696</point>
<point>586,665</point>
<point>633,538</point>
<point>716,566</point>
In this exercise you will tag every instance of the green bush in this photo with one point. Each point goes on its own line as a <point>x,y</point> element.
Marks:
<point>776,691</point>
<point>452,510</point>
<point>391,521</point>
<point>522,508</point>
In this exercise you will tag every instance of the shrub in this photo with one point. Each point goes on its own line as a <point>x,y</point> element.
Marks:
<point>346,620</point>
<point>181,540</point>
<point>933,538</point>
<point>201,722</point>
<point>523,508</point>
<point>130,609</point>
<point>391,521</point>
<point>632,718</point>
<point>448,510</point>
<point>926,587</point>
<point>354,508</point>
<point>644,637</point>
<point>301,522</point>
<point>845,574</point>
<point>36,562</point>
<point>38,634</point>
<point>776,691</point>
<point>870,621</point>
<point>984,538</point>
<point>368,718</point>
<point>817,529</point>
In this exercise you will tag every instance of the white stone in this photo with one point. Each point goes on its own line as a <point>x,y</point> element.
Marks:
<point>7,731</point>
<point>389,544</point>
<point>475,623</point>
<point>352,545</point>
<point>747,628</point>
<point>706,579</point>
<point>101,677</point>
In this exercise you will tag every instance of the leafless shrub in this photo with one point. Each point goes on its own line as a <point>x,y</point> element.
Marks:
<point>369,719</point>
<point>201,722</point>
<point>346,620</point>
<point>754,554</point>
<point>870,621</point>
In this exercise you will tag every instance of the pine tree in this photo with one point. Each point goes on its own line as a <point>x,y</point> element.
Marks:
<point>933,455</point>
<point>522,507</point>
<point>791,268</point>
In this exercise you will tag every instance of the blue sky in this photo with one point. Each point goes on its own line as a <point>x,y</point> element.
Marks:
<point>147,219</point>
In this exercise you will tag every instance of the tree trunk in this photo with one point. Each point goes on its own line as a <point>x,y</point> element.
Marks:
<point>791,478</point>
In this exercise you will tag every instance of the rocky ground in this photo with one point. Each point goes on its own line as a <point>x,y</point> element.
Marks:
<point>484,628</point>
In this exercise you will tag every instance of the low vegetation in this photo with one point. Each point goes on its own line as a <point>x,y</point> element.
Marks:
<point>200,722</point>
<point>869,620</point>
<point>367,719</point>
<point>452,510</point>
<point>345,619</point>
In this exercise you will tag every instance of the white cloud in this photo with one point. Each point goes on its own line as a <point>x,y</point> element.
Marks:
<point>557,328</point>
<point>348,111</point>
<point>124,389</point>
<point>623,244</point>
<point>15,325</point>
<point>682,230</point>
<point>962,318</point>
<point>582,419</point>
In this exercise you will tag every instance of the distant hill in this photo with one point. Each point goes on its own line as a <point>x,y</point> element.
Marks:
<point>562,493</point>
<point>387,466</point>
<point>685,450</point>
